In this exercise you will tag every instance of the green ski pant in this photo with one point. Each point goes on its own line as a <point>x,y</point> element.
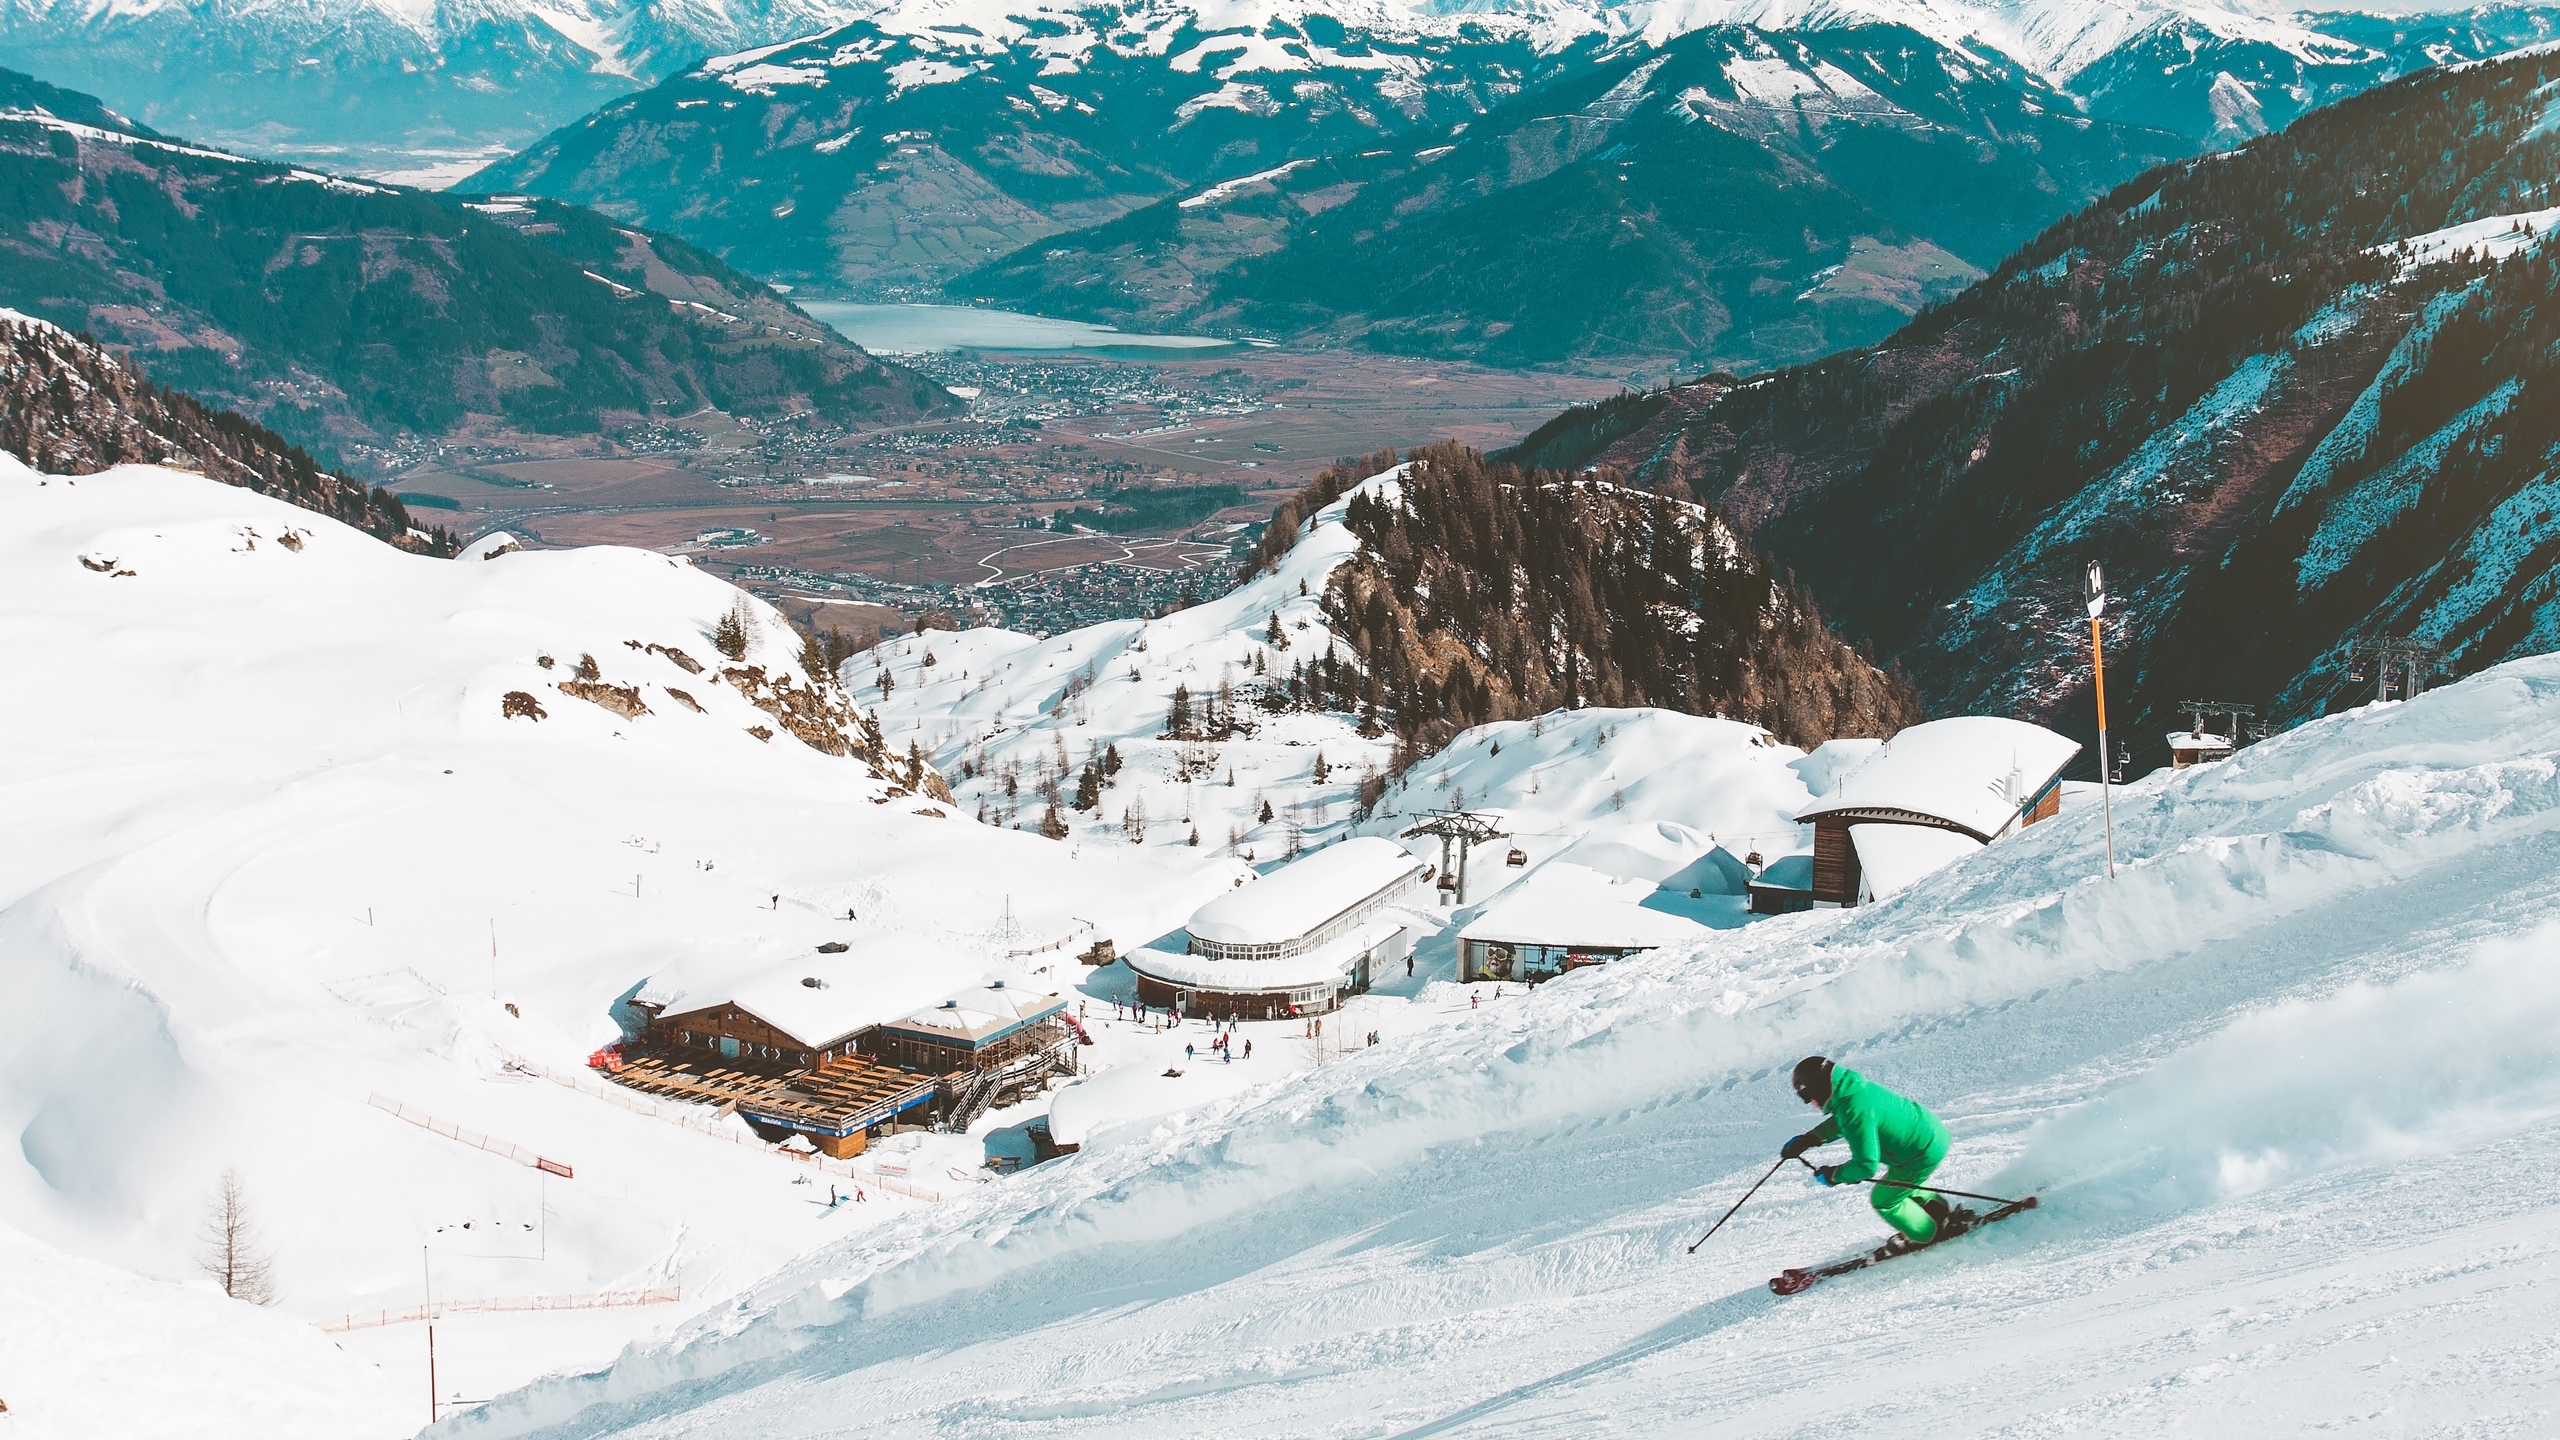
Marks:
<point>1897,1197</point>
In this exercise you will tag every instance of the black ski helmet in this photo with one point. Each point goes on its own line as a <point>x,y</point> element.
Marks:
<point>1812,1080</point>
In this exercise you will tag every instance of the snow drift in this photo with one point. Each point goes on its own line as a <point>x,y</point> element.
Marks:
<point>2239,1068</point>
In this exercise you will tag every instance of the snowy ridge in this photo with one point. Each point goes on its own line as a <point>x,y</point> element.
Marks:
<point>2160,1057</point>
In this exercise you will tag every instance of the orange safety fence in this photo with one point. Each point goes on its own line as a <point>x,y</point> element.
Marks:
<point>437,1310</point>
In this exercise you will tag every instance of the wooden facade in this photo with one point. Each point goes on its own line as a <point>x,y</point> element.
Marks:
<point>2046,806</point>
<point>1835,862</point>
<point>944,1055</point>
<point>737,1036</point>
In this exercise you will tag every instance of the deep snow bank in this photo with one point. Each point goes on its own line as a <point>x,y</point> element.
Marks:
<point>1481,1228</point>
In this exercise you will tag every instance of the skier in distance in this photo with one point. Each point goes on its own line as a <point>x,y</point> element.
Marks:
<point>1886,1133</point>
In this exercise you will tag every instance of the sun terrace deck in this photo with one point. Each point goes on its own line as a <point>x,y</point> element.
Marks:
<point>833,1104</point>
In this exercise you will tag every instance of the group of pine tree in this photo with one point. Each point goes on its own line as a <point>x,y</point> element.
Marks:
<point>1486,591</point>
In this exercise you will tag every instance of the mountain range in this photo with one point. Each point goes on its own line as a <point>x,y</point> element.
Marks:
<point>344,313</point>
<point>1516,186</point>
<point>2296,398</point>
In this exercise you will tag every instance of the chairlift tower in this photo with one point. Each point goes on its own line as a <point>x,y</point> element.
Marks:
<point>1462,830</point>
<point>2381,659</point>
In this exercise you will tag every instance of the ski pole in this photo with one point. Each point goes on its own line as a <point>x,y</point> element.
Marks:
<point>1937,1190</point>
<point>1746,1195</point>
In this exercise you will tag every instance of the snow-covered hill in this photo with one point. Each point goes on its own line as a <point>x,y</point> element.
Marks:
<point>2284,1084</point>
<point>296,820</point>
<point>1013,721</point>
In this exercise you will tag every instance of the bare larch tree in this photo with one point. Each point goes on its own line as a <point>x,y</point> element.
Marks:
<point>231,1252</point>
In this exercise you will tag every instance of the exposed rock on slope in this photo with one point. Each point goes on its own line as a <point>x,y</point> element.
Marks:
<point>70,408</point>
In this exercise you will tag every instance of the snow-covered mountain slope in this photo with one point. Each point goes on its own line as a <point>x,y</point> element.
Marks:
<point>1279,751</point>
<point>1733,198</point>
<point>296,820</point>
<point>1014,721</point>
<point>429,93</point>
<point>2257,1079</point>
<point>2262,389</point>
<point>422,93</point>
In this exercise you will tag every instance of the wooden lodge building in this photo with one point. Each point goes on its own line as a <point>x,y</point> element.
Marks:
<point>1930,796</point>
<point>834,1047</point>
<point>1295,942</point>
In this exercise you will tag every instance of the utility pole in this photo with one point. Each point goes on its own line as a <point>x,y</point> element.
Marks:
<point>2098,669</point>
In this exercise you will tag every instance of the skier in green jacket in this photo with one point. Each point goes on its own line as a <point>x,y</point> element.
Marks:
<point>1886,1133</point>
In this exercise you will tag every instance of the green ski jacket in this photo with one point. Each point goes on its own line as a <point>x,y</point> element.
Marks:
<point>1883,1129</point>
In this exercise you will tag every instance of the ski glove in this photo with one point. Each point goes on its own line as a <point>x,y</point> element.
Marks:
<point>1794,1148</point>
<point>1825,1173</point>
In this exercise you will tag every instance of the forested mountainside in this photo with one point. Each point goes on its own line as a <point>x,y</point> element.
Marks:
<point>68,407</point>
<point>2292,395</point>
<point>1481,591</point>
<point>1734,197</point>
<point>337,311</point>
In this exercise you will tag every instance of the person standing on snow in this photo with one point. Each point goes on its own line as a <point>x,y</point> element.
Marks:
<point>1886,1133</point>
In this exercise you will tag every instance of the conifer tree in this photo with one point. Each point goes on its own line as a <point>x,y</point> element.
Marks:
<point>1178,719</point>
<point>730,635</point>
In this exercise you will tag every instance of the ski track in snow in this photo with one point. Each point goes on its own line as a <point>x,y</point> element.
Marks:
<point>2284,1084</point>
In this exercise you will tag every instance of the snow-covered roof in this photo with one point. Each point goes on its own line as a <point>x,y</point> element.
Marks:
<point>1298,898</point>
<point>1788,872</point>
<point>1326,964</point>
<point>1893,857</point>
<point>982,1013</point>
<point>1566,904</point>
<point>873,983</point>
<point>1972,772</point>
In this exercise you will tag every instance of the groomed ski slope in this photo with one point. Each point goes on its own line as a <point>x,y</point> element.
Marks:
<point>2287,1085</point>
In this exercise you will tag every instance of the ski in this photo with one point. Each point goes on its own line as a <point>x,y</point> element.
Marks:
<point>1796,1282</point>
